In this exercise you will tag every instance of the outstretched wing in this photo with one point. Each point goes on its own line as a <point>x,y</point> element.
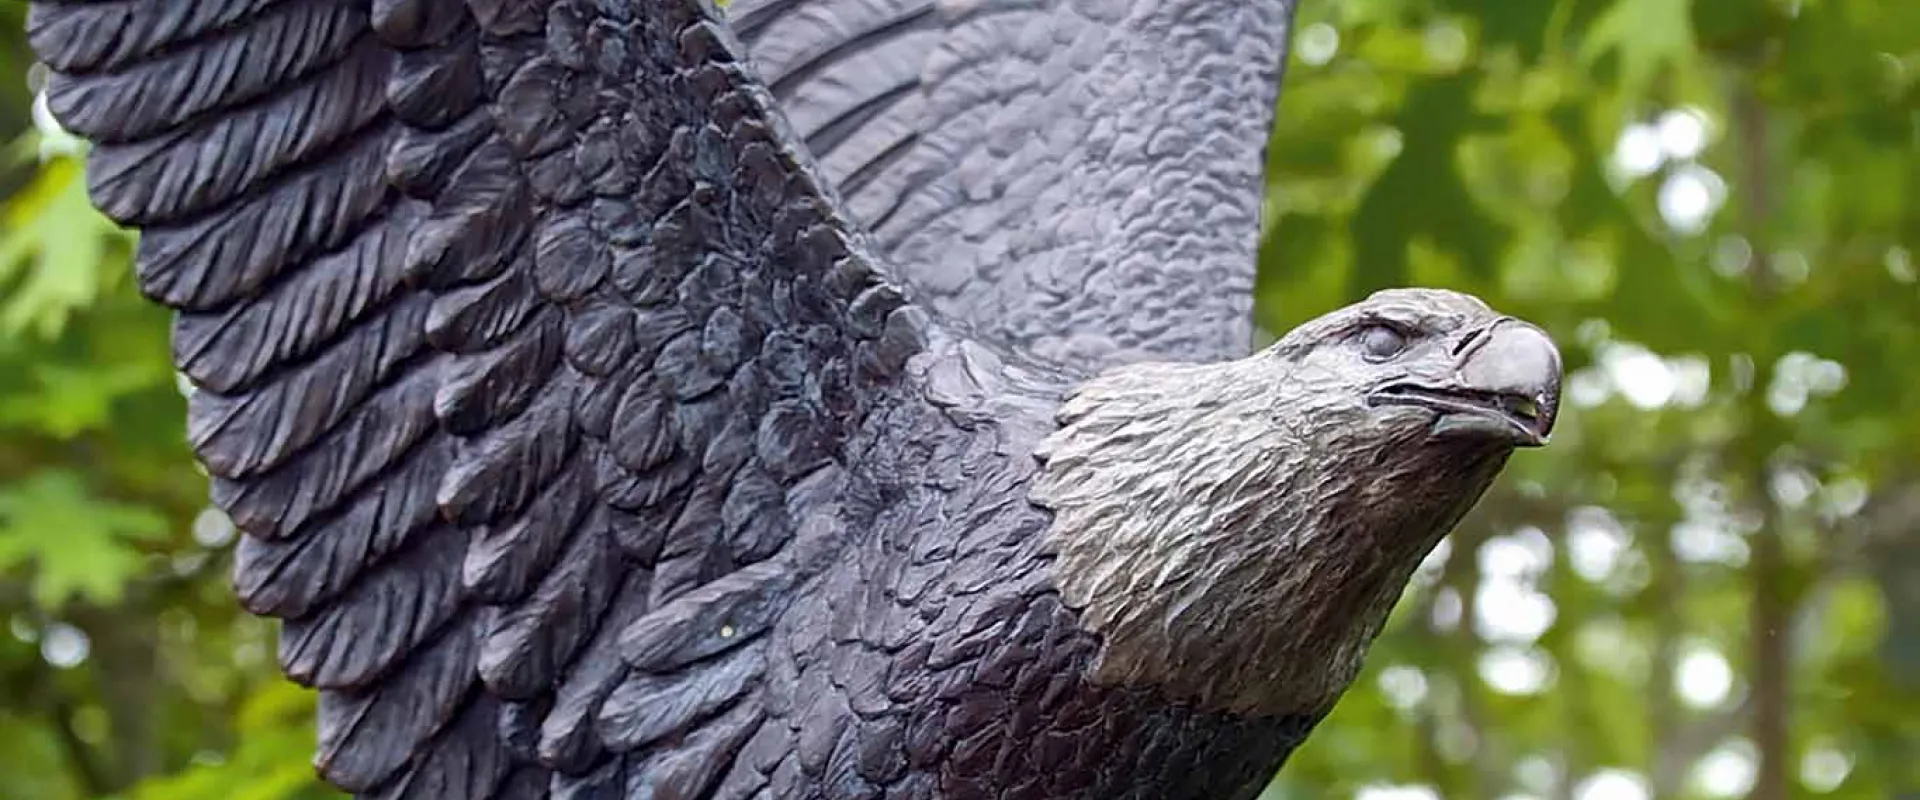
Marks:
<point>520,330</point>
<point>1082,178</point>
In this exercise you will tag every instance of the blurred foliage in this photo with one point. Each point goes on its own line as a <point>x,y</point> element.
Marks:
<point>1709,585</point>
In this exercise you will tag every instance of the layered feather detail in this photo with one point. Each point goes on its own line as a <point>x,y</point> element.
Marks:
<point>513,327</point>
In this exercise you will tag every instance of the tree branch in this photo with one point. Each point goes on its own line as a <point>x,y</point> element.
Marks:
<point>1771,610</point>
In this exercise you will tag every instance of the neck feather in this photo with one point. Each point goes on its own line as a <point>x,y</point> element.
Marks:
<point>1235,544</point>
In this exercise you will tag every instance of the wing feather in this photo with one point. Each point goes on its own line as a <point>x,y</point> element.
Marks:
<point>378,433</point>
<point>1012,157</point>
<point>519,332</point>
<point>381,618</point>
<point>466,759</point>
<point>306,38</point>
<point>295,318</point>
<point>366,735</point>
<point>113,34</point>
<point>288,577</point>
<point>187,170</point>
<point>529,644</point>
<point>508,557</point>
<point>243,434</point>
<point>210,261</point>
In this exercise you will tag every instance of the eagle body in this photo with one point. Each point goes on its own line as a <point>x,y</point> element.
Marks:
<point>622,400</point>
<point>936,659</point>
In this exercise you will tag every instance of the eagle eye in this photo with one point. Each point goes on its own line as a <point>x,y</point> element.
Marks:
<point>1381,342</point>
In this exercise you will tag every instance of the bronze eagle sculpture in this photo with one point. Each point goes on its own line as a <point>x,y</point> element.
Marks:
<point>816,399</point>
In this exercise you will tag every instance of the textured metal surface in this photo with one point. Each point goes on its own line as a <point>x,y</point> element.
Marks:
<point>1079,178</point>
<point>517,328</point>
<point>585,451</point>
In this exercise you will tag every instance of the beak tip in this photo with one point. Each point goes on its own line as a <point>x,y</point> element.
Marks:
<point>1519,359</point>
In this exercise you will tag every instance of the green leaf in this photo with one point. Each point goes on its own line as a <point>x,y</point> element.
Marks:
<point>80,544</point>
<point>70,400</point>
<point>1646,36</point>
<point>53,252</point>
<point>1523,26</point>
<point>1420,206</point>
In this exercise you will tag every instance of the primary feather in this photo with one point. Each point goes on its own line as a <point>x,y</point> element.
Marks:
<point>587,447</point>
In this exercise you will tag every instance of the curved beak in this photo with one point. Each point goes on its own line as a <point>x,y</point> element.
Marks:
<point>1505,384</point>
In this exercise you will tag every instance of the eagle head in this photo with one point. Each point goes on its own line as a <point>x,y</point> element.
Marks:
<point>1428,359</point>
<point>1236,533</point>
